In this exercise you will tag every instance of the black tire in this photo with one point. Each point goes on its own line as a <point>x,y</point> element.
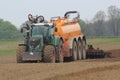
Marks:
<point>49,54</point>
<point>60,52</point>
<point>20,51</point>
<point>74,51</point>
<point>79,50</point>
<point>84,56</point>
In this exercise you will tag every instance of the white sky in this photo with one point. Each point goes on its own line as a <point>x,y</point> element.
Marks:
<point>16,11</point>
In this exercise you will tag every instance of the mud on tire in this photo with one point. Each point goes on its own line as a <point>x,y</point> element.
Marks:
<point>84,56</point>
<point>74,51</point>
<point>79,50</point>
<point>20,51</point>
<point>49,54</point>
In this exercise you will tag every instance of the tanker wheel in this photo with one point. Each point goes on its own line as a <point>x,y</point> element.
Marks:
<point>20,51</point>
<point>49,54</point>
<point>74,51</point>
<point>84,49</point>
<point>79,50</point>
<point>60,50</point>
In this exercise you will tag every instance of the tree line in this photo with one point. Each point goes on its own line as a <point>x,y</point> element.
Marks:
<point>103,24</point>
<point>8,31</point>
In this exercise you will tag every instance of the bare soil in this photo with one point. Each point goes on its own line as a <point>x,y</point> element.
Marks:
<point>90,69</point>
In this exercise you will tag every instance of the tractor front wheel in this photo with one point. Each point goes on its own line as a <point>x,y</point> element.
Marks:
<point>20,51</point>
<point>49,54</point>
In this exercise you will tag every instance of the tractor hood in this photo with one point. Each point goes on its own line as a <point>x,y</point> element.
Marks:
<point>36,43</point>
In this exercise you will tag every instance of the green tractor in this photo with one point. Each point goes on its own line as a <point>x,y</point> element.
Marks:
<point>39,42</point>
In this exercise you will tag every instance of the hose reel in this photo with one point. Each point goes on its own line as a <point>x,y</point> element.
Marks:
<point>35,19</point>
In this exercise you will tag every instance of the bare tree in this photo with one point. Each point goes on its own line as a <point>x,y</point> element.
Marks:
<point>99,20</point>
<point>114,17</point>
<point>100,16</point>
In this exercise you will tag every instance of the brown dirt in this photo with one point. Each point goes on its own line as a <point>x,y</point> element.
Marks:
<point>97,73</point>
<point>91,69</point>
<point>8,59</point>
<point>115,53</point>
<point>111,47</point>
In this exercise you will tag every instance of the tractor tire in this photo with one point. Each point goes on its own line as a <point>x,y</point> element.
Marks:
<point>74,51</point>
<point>60,52</point>
<point>84,56</point>
<point>79,50</point>
<point>20,51</point>
<point>49,54</point>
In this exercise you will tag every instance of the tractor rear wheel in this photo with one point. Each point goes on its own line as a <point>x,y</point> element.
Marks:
<point>20,51</point>
<point>74,51</point>
<point>49,54</point>
<point>84,49</point>
<point>79,50</point>
<point>60,52</point>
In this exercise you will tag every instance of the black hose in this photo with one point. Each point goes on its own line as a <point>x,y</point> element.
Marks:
<point>70,12</point>
<point>40,19</point>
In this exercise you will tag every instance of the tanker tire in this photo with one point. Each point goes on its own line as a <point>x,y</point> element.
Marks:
<point>74,51</point>
<point>60,55</point>
<point>49,54</point>
<point>20,51</point>
<point>79,50</point>
<point>84,56</point>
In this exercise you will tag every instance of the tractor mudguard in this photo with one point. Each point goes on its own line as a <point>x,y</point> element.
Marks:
<point>56,40</point>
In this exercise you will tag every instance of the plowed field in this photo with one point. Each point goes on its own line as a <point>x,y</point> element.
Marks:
<point>90,69</point>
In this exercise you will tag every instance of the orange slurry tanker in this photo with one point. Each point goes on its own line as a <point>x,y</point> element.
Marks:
<point>72,38</point>
<point>53,41</point>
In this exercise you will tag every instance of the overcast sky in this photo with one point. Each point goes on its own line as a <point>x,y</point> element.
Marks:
<point>16,11</point>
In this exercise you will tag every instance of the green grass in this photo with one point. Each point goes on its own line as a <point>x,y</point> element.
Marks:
<point>103,41</point>
<point>7,52</point>
<point>8,47</point>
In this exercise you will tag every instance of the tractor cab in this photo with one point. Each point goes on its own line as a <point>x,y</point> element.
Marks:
<point>42,30</point>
